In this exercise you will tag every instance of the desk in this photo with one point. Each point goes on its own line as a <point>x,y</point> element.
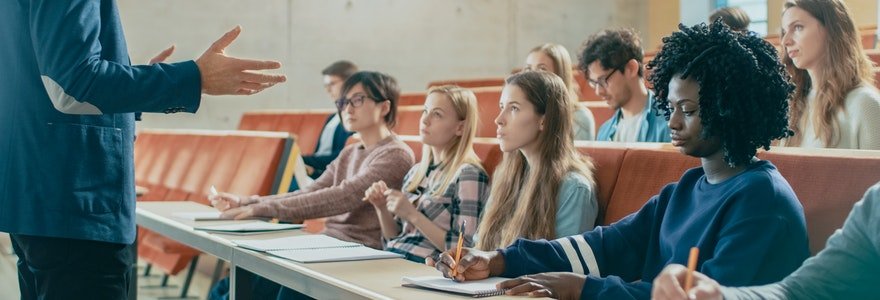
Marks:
<point>368,279</point>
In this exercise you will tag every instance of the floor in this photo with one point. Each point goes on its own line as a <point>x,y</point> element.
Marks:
<point>147,286</point>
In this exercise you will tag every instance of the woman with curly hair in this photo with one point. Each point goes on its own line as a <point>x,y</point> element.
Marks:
<point>835,104</point>
<point>725,95</point>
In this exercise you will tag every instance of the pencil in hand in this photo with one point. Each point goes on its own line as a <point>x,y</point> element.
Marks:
<point>458,247</point>
<point>692,266</point>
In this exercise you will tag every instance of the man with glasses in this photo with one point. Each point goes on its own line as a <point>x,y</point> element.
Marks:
<point>612,62</point>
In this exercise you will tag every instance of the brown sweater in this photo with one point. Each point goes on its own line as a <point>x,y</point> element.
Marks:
<point>338,193</point>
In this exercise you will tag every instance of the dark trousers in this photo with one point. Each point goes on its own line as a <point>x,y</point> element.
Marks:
<point>59,268</point>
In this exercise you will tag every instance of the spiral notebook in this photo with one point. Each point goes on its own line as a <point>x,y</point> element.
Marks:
<point>476,288</point>
<point>248,228</point>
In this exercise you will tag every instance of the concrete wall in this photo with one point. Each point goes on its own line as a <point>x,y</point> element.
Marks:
<point>415,41</point>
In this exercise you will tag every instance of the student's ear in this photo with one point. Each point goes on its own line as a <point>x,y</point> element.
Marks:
<point>541,124</point>
<point>386,108</point>
<point>632,68</point>
<point>459,130</point>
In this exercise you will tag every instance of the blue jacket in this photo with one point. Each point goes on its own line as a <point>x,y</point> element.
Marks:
<point>68,93</point>
<point>750,230</point>
<point>320,162</point>
<point>653,128</point>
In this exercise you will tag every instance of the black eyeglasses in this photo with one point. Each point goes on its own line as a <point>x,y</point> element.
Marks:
<point>355,101</point>
<point>603,82</point>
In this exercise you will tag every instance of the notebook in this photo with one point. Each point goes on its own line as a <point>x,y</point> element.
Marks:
<point>476,288</point>
<point>333,254</point>
<point>295,243</point>
<point>198,216</point>
<point>248,228</point>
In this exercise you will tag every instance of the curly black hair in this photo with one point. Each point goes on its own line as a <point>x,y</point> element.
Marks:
<point>612,48</point>
<point>744,88</point>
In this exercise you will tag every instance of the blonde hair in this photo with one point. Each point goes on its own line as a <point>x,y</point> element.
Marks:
<point>524,197</point>
<point>465,103</point>
<point>562,64</point>
<point>846,68</point>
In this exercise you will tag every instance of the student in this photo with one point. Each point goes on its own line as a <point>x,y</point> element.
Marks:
<point>542,188</point>
<point>446,190</point>
<point>845,269</point>
<point>739,211</point>
<point>369,109</point>
<point>555,59</point>
<point>835,104</point>
<point>734,17</point>
<point>333,136</point>
<point>612,62</point>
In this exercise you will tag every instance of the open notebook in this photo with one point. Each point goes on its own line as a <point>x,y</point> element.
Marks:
<point>295,243</point>
<point>476,288</point>
<point>333,254</point>
<point>248,228</point>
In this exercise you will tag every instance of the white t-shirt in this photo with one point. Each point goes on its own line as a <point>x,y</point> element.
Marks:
<point>628,128</point>
<point>327,134</point>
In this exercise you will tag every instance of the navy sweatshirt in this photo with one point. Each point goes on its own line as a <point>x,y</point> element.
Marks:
<point>750,230</point>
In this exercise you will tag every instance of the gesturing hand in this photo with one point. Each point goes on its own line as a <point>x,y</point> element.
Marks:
<point>224,75</point>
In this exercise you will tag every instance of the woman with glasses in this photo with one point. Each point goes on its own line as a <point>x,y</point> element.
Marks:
<point>543,188</point>
<point>368,109</point>
<point>443,196</point>
<point>612,62</point>
<point>835,104</point>
<point>555,59</point>
<point>737,210</point>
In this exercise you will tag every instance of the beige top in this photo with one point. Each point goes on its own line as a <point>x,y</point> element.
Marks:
<point>338,193</point>
<point>859,122</point>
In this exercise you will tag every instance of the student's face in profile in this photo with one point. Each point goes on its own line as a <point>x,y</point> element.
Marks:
<point>804,38</point>
<point>539,61</point>
<point>333,86</point>
<point>684,123</point>
<point>610,87</point>
<point>518,123</point>
<point>363,113</point>
<point>440,124</point>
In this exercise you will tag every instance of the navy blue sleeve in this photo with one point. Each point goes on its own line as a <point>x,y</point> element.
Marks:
<point>616,249</point>
<point>79,80</point>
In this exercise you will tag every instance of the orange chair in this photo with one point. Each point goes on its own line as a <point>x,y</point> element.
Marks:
<point>415,143</point>
<point>412,98</point>
<point>408,118</point>
<point>258,121</point>
<point>606,160</point>
<point>602,112</point>
<point>488,109</point>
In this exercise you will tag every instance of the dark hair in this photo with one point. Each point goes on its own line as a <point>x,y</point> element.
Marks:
<point>342,69</point>
<point>734,17</point>
<point>744,89</point>
<point>613,48</point>
<point>379,87</point>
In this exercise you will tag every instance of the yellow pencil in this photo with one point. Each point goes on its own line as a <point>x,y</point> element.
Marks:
<point>692,266</point>
<point>458,248</point>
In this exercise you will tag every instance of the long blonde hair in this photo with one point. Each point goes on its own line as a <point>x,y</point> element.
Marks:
<point>562,64</point>
<point>524,197</point>
<point>846,67</point>
<point>465,103</point>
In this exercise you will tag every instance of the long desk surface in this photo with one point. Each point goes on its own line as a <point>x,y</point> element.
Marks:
<point>368,279</point>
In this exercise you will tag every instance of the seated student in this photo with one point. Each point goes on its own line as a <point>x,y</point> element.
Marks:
<point>542,188</point>
<point>836,104</point>
<point>446,190</point>
<point>739,211</point>
<point>369,109</point>
<point>734,17</point>
<point>845,269</point>
<point>555,59</point>
<point>612,62</point>
<point>333,135</point>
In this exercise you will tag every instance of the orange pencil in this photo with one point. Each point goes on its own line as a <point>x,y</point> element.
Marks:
<point>458,248</point>
<point>692,266</point>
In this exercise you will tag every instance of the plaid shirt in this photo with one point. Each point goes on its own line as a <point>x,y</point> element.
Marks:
<point>463,200</point>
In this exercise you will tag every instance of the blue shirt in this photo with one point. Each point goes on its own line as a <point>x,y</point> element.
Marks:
<point>750,229</point>
<point>653,128</point>
<point>68,95</point>
<point>576,207</point>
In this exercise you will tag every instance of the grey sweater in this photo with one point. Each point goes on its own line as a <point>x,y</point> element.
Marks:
<point>848,267</point>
